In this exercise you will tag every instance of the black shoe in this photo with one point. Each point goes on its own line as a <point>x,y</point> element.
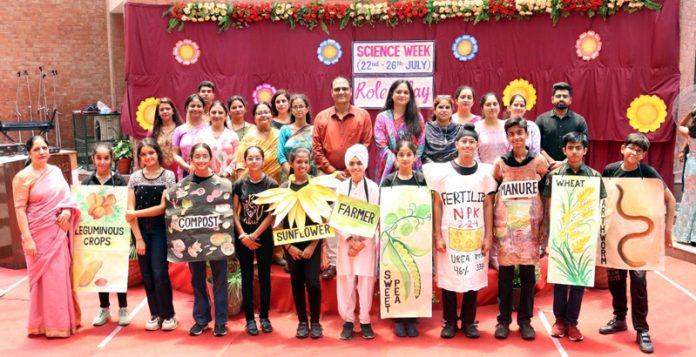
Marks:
<point>251,328</point>
<point>613,326</point>
<point>329,273</point>
<point>412,329</point>
<point>220,330</point>
<point>400,329</point>
<point>471,331</point>
<point>527,331</point>
<point>316,331</point>
<point>197,329</point>
<point>366,331</point>
<point>502,331</point>
<point>347,332</point>
<point>449,330</point>
<point>302,330</point>
<point>644,342</point>
<point>286,267</point>
<point>266,326</point>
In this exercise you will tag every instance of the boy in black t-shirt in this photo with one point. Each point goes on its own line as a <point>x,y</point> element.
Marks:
<point>633,150</point>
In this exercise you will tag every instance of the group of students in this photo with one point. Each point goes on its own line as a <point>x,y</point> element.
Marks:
<point>456,157</point>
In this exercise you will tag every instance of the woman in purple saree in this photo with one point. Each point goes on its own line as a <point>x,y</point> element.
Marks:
<point>47,216</point>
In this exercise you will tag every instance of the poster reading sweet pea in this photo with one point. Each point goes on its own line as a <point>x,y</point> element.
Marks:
<point>574,229</point>
<point>632,234</point>
<point>102,240</point>
<point>405,264</point>
<point>199,220</point>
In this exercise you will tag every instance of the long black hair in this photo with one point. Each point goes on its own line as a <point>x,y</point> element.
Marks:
<point>411,117</point>
<point>157,126</point>
<point>30,144</point>
<point>302,97</point>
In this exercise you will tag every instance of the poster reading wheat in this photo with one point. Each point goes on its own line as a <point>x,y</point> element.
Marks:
<point>405,264</point>
<point>574,228</point>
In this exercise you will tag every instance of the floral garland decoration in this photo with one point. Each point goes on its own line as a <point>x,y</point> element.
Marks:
<point>392,12</point>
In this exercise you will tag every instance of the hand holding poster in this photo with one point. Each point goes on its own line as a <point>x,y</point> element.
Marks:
<point>633,233</point>
<point>199,220</point>
<point>405,263</point>
<point>102,240</point>
<point>354,216</point>
<point>573,230</point>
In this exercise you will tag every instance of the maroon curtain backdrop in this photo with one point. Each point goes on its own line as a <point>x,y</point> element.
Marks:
<point>640,55</point>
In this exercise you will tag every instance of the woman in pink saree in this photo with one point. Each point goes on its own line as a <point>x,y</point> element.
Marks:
<point>47,217</point>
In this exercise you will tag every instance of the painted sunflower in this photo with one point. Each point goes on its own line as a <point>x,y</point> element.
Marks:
<point>522,87</point>
<point>145,115</point>
<point>647,113</point>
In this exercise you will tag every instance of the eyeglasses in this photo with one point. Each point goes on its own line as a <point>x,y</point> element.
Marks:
<point>636,150</point>
<point>341,89</point>
<point>298,107</point>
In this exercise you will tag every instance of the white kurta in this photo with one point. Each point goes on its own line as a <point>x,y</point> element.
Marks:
<point>365,262</point>
<point>462,267</point>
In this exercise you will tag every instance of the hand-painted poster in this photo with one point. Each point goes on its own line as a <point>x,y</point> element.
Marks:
<point>102,240</point>
<point>632,235</point>
<point>199,220</point>
<point>574,229</point>
<point>405,263</point>
<point>354,216</point>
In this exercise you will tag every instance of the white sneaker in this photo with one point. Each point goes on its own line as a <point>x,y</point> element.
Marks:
<point>123,319</point>
<point>170,324</point>
<point>154,324</point>
<point>103,316</point>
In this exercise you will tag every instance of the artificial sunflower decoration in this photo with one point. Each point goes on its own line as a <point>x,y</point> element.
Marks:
<point>186,52</point>
<point>263,93</point>
<point>647,113</point>
<point>329,52</point>
<point>146,112</point>
<point>522,87</point>
<point>311,200</point>
<point>588,45</point>
<point>465,48</point>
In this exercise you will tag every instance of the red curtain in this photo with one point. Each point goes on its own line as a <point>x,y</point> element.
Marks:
<point>639,55</point>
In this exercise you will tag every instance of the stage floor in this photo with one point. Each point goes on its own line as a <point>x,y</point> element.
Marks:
<point>672,308</point>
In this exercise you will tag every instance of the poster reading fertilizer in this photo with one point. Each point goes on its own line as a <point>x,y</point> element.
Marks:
<point>199,220</point>
<point>405,264</point>
<point>632,234</point>
<point>354,216</point>
<point>102,240</point>
<point>574,229</point>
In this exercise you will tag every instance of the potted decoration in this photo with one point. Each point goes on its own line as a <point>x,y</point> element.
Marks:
<point>517,285</point>
<point>234,287</point>
<point>123,155</point>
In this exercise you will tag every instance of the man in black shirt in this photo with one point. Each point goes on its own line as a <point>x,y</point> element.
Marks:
<point>553,125</point>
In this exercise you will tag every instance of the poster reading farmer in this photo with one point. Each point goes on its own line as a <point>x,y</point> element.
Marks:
<point>573,230</point>
<point>354,216</point>
<point>405,264</point>
<point>102,240</point>
<point>632,234</point>
<point>199,219</point>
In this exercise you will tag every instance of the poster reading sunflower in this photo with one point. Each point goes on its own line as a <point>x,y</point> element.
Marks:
<point>405,261</point>
<point>574,228</point>
<point>199,220</point>
<point>102,240</point>
<point>632,235</point>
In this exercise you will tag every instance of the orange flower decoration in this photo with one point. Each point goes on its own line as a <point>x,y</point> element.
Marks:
<point>100,205</point>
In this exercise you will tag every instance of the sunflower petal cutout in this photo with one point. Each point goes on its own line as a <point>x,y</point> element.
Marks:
<point>465,47</point>
<point>145,116</point>
<point>522,87</point>
<point>309,201</point>
<point>588,45</point>
<point>329,52</point>
<point>647,113</point>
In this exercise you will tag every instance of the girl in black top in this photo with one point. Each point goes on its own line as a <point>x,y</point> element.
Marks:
<point>405,176</point>
<point>255,238</point>
<point>103,159</point>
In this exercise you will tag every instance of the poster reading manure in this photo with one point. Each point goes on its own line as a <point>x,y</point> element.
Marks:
<point>632,235</point>
<point>406,266</point>
<point>102,240</point>
<point>199,219</point>
<point>574,229</point>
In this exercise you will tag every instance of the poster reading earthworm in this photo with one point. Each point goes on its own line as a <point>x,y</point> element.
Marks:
<point>102,240</point>
<point>632,235</point>
<point>199,220</point>
<point>405,264</point>
<point>574,229</point>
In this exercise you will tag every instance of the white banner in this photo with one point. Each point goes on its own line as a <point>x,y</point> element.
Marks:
<point>371,92</point>
<point>394,58</point>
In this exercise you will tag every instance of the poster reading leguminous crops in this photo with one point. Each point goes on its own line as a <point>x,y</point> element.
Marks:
<point>199,220</point>
<point>632,235</point>
<point>102,240</point>
<point>405,264</point>
<point>574,229</point>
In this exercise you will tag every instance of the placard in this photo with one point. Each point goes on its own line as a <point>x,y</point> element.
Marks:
<point>394,58</point>
<point>354,216</point>
<point>371,92</point>
<point>296,235</point>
